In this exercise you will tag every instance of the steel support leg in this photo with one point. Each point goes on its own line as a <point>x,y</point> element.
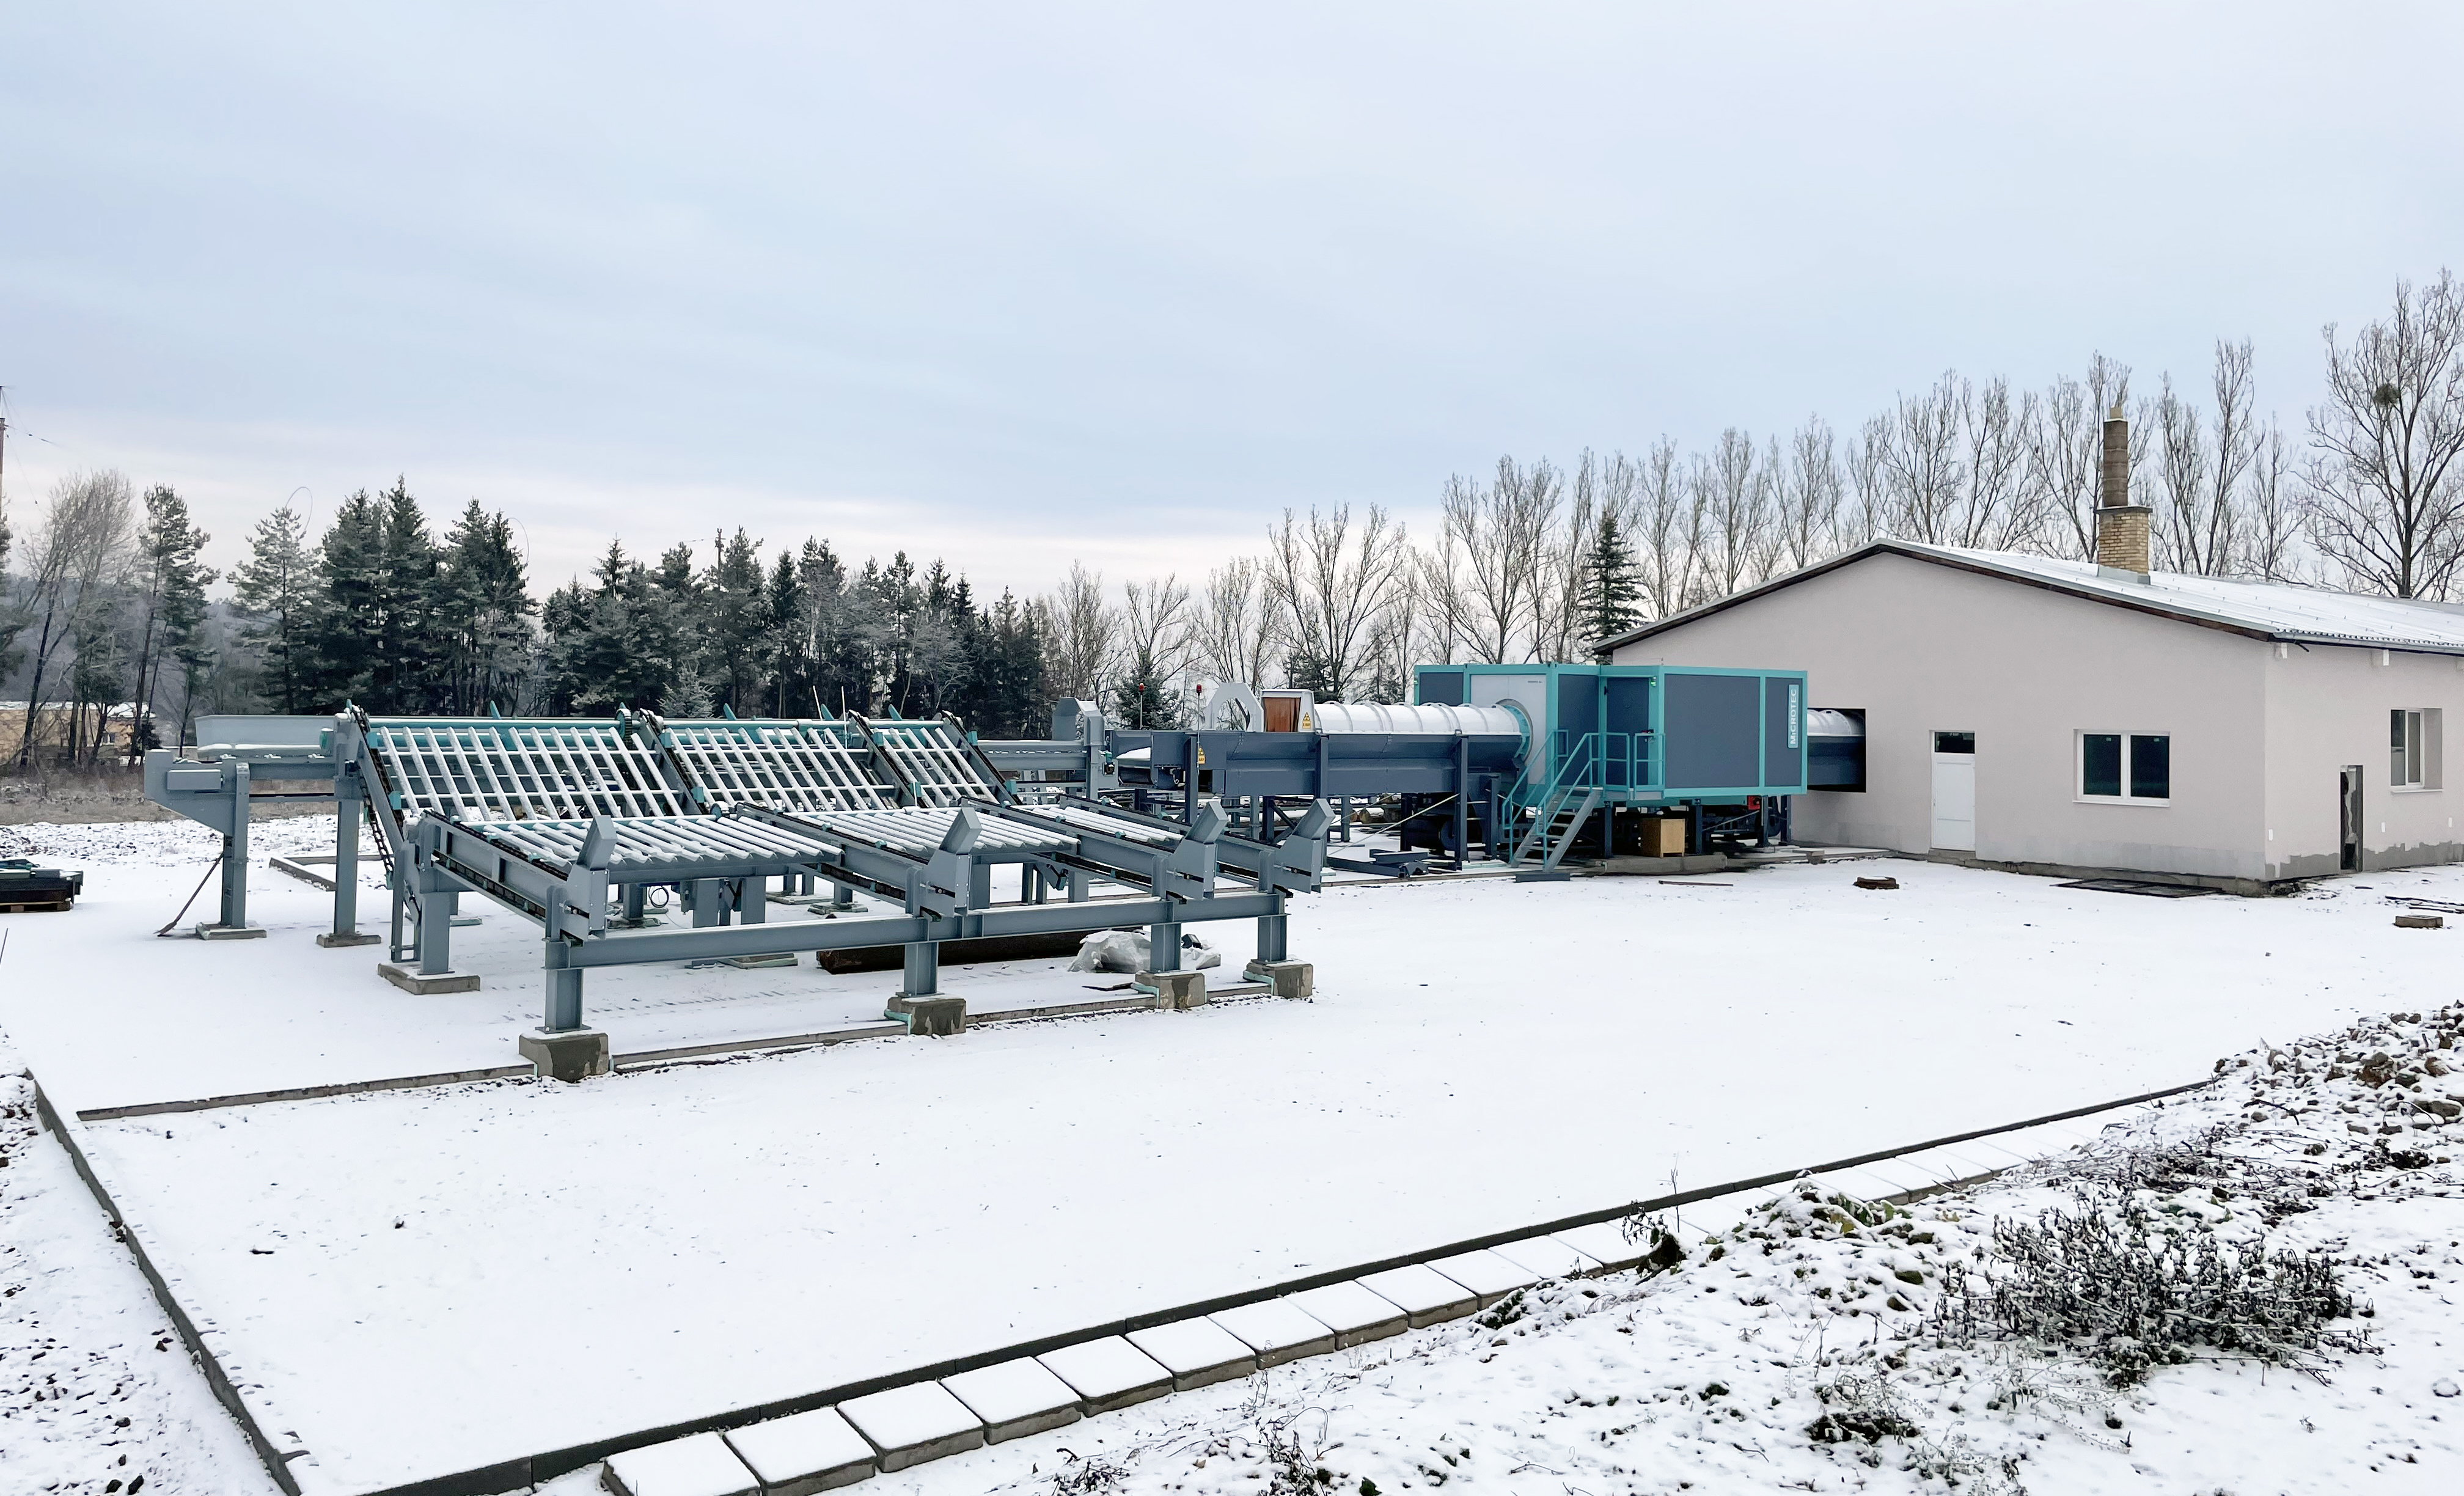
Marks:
<point>923,969</point>
<point>1274,937</point>
<point>563,987</point>
<point>754,907</point>
<point>1163,948</point>
<point>709,898</point>
<point>842,896</point>
<point>435,927</point>
<point>235,899</point>
<point>636,902</point>
<point>346,856</point>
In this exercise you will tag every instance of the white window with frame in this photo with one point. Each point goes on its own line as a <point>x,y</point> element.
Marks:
<point>2125,768</point>
<point>2415,748</point>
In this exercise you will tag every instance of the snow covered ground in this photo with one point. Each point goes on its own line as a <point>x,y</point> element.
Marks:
<point>422,1281</point>
<point>95,1394</point>
<point>1715,1376</point>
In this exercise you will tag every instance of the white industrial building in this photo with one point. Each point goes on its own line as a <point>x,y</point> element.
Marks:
<point>2071,716</point>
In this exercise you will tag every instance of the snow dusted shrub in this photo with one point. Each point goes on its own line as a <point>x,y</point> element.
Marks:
<point>1087,1477</point>
<point>2135,1290</point>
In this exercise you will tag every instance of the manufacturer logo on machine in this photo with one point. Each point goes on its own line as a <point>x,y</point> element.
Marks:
<point>1794,691</point>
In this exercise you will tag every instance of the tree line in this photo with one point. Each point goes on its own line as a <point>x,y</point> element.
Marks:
<point>1533,559</point>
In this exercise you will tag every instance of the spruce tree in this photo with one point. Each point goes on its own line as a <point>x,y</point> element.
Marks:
<point>275,589</point>
<point>411,665</point>
<point>1609,589</point>
<point>349,622</point>
<point>481,630</point>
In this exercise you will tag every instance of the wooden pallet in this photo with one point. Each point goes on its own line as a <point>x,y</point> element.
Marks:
<point>48,906</point>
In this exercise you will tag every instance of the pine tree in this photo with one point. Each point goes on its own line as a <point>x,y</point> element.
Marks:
<point>349,623</point>
<point>275,587</point>
<point>1609,589</point>
<point>738,610</point>
<point>170,600</point>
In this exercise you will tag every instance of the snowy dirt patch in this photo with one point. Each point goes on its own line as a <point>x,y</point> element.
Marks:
<point>2271,1310</point>
<point>97,1395</point>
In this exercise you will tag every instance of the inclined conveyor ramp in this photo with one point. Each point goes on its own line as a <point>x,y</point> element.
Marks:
<point>569,821</point>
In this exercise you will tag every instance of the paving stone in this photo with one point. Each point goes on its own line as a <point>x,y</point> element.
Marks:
<point>1354,1313</point>
<point>1108,1374</point>
<point>1277,1329</point>
<point>1197,1351</point>
<point>1015,1398</point>
<point>913,1424</point>
<point>1428,1296</point>
<point>1486,1274</point>
<point>805,1452</point>
<point>1605,1242</point>
<point>1549,1258</point>
<point>700,1464</point>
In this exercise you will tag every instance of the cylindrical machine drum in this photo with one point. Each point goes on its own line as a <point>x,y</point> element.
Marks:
<point>1337,716</point>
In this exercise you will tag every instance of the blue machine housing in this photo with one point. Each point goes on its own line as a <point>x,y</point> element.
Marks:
<point>1643,733</point>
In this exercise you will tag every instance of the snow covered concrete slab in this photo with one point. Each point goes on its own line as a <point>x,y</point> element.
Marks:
<point>1277,1329</point>
<point>1546,1257</point>
<point>1108,1374</point>
<point>757,1203</point>
<point>1355,1314</point>
<point>1199,1353</point>
<point>1015,1398</point>
<point>804,1453</point>
<point>1428,1296</point>
<point>1486,1274</point>
<point>1604,1243</point>
<point>701,1464</point>
<point>913,1424</point>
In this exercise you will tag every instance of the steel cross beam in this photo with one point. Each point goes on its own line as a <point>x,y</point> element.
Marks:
<point>628,946</point>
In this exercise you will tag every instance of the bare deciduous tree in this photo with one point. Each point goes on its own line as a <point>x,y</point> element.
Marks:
<point>84,536</point>
<point>1238,630</point>
<point>1080,635</point>
<point>1332,582</point>
<point>2381,492</point>
<point>1483,581</point>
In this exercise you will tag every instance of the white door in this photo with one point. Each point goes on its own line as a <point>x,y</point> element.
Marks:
<point>1954,791</point>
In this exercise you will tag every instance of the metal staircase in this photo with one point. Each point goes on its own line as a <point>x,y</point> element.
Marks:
<point>1557,821</point>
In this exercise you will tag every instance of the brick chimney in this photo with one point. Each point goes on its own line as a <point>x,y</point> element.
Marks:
<point>2121,525</point>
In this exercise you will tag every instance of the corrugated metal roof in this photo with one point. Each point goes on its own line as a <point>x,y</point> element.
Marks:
<point>2268,609</point>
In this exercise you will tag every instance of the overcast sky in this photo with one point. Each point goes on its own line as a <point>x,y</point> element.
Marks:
<point>1022,284</point>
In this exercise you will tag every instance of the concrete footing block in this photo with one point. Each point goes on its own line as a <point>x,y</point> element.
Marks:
<point>332,941</point>
<point>938,1017</point>
<point>913,1424</point>
<point>571,1054</point>
<point>1178,991</point>
<point>804,1453</point>
<point>231,932</point>
<point>1288,978</point>
<point>409,980</point>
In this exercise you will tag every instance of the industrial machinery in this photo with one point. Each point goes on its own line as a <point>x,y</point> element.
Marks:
<point>1521,761</point>
<point>570,823</point>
